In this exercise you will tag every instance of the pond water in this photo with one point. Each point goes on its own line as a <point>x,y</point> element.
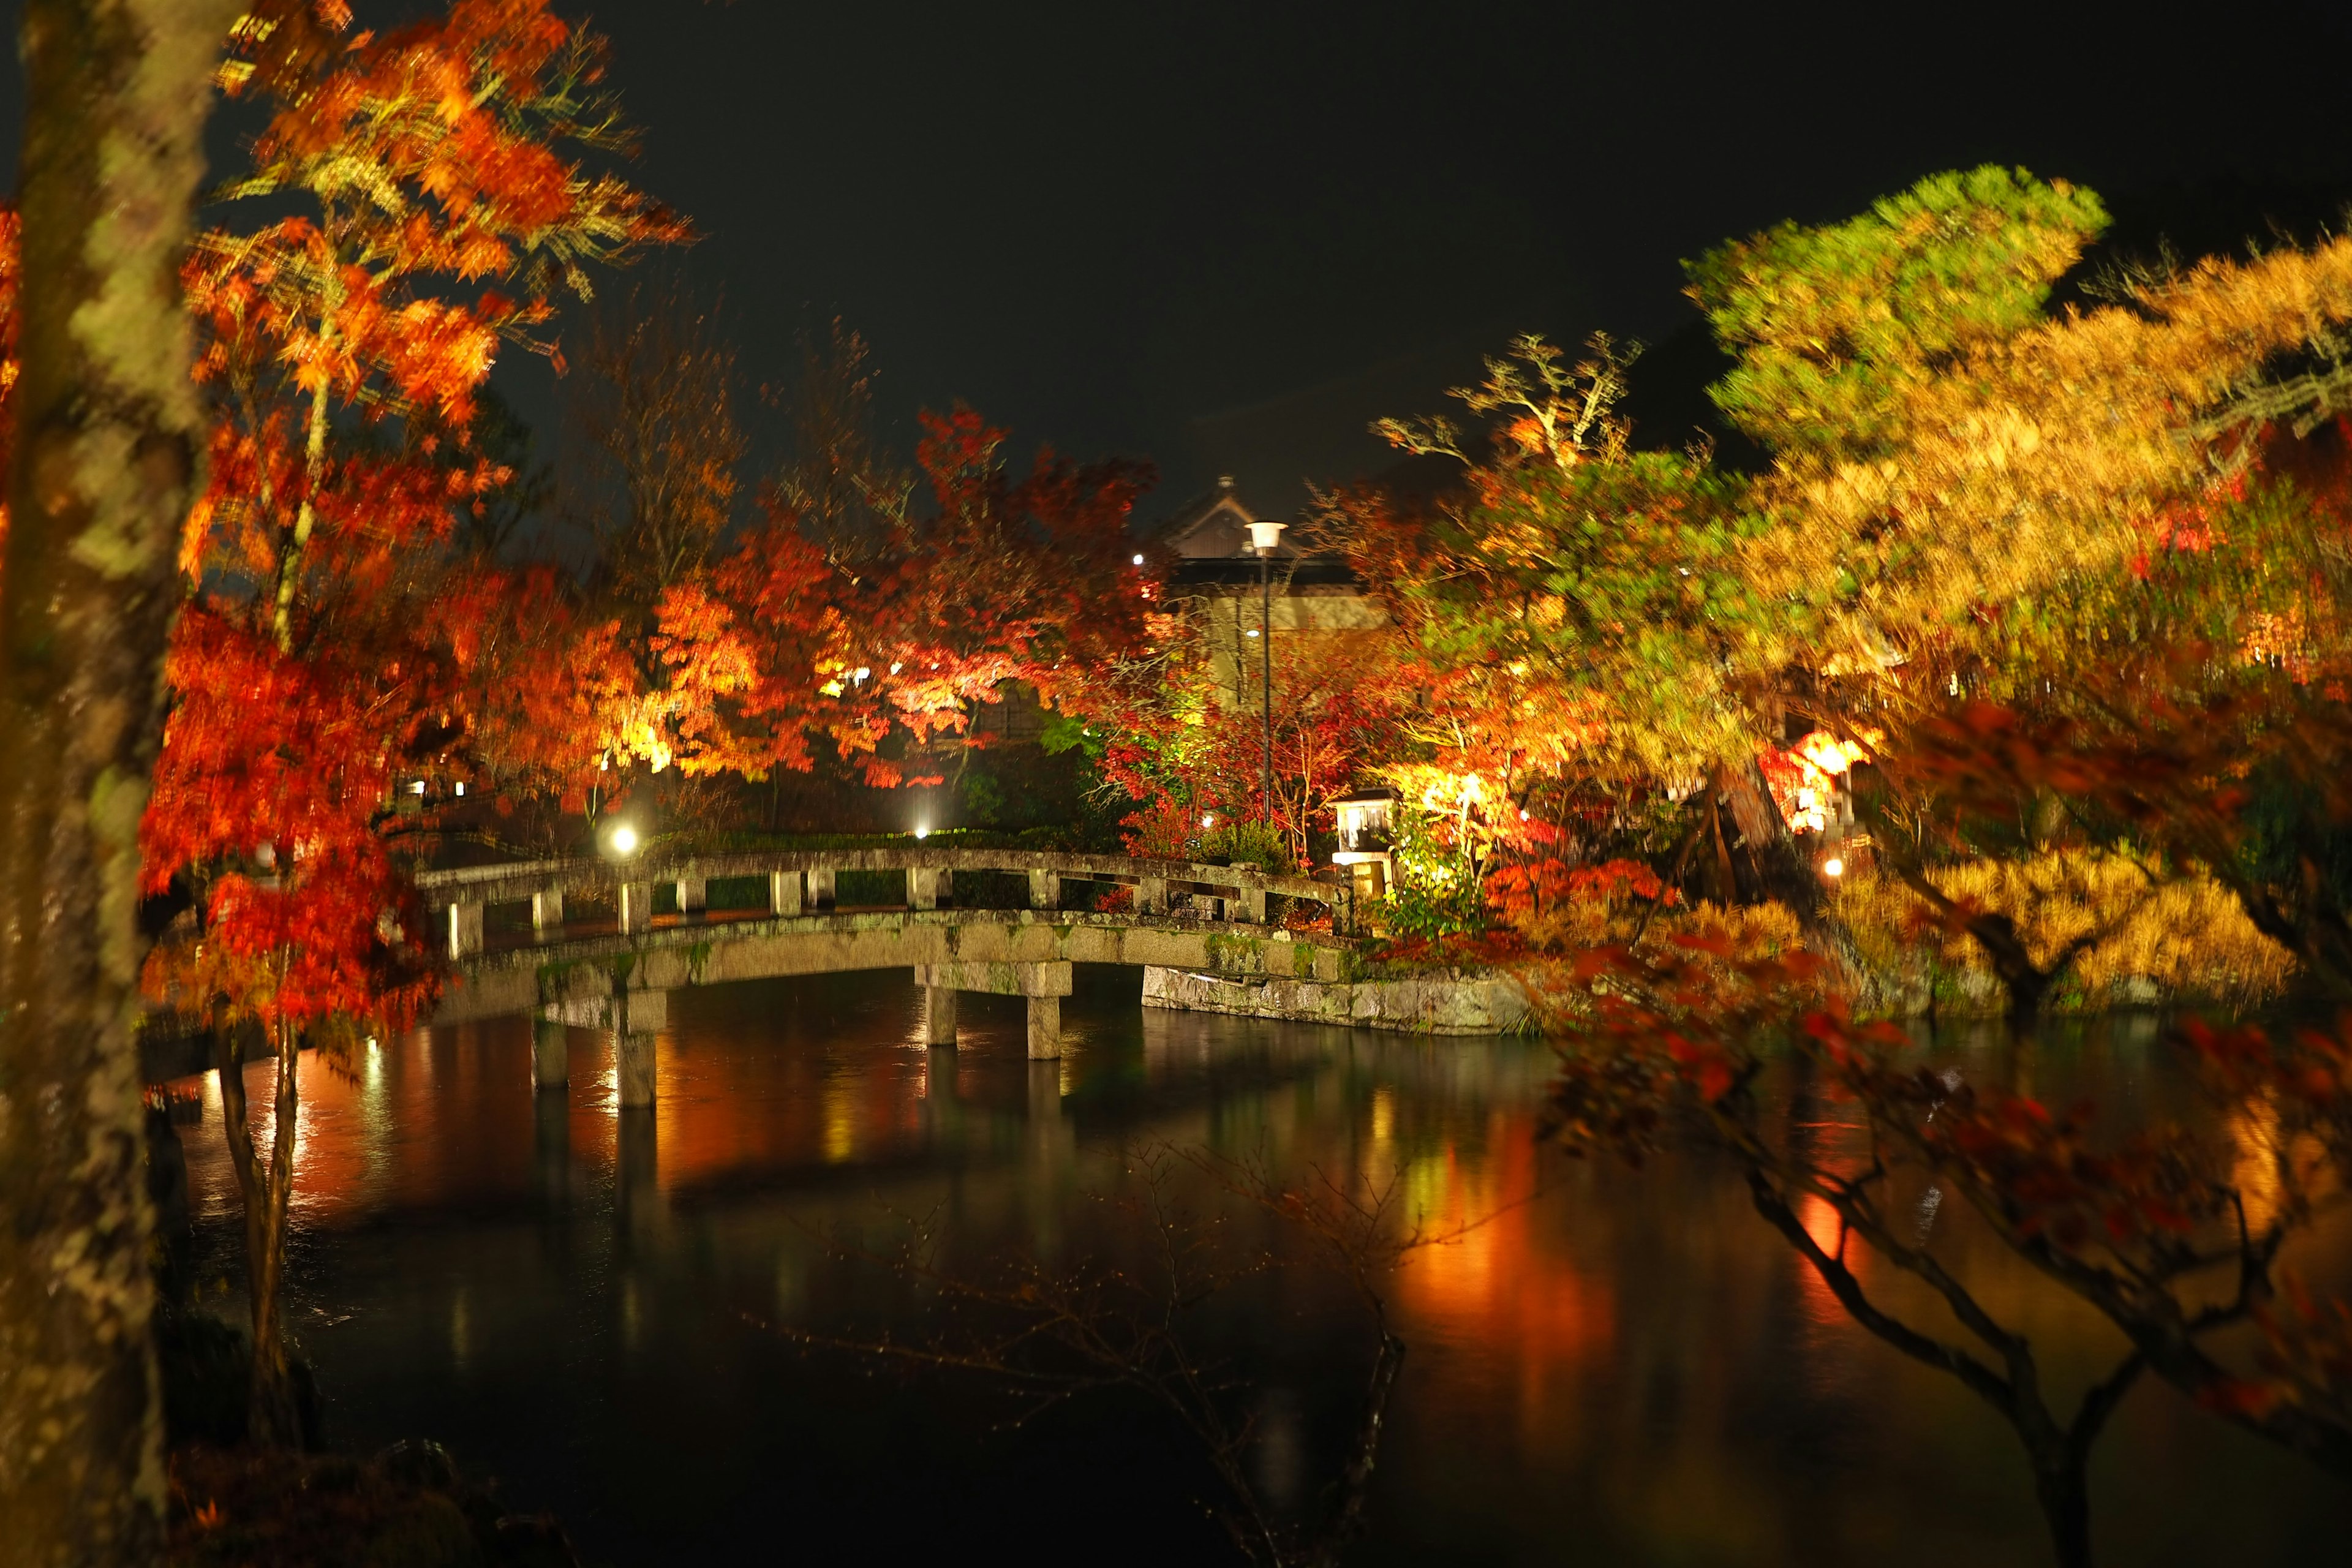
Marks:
<point>1616,1367</point>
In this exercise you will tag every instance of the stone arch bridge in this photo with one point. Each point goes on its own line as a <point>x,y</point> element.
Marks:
<point>522,938</point>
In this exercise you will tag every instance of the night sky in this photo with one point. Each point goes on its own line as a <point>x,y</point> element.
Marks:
<point>1225,235</point>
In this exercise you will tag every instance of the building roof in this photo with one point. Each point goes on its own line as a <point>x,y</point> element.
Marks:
<point>1214,527</point>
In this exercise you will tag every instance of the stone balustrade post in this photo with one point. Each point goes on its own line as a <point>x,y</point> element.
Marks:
<point>547,911</point>
<point>465,930</point>
<point>820,887</point>
<point>1249,907</point>
<point>785,892</point>
<point>1151,895</point>
<point>1045,890</point>
<point>551,1052</point>
<point>923,888</point>
<point>693,895</point>
<point>636,906</point>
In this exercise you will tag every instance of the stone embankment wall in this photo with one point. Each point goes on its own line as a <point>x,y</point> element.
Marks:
<point>1444,1001</point>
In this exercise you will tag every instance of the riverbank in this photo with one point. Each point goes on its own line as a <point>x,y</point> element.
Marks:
<point>1442,1001</point>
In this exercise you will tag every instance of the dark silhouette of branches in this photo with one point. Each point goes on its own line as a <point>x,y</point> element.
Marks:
<point>1055,1333</point>
<point>2172,1233</point>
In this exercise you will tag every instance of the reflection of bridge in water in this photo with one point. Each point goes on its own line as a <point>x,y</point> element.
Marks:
<point>616,968</point>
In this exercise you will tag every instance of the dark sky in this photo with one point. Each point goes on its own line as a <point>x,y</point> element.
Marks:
<point>1225,236</point>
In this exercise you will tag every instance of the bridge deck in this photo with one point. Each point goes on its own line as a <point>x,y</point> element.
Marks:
<point>584,968</point>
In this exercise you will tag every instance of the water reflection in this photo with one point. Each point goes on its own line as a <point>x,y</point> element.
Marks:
<point>1612,1368</point>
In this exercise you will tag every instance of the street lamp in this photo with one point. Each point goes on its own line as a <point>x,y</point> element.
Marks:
<point>1263,537</point>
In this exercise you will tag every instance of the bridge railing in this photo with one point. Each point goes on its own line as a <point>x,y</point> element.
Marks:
<point>804,882</point>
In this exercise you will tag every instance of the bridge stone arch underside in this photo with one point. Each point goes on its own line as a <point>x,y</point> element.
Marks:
<point>619,977</point>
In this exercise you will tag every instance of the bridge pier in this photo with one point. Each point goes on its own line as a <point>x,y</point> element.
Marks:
<point>1045,890</point>
<point>550,1052</point>
<point>820,887</point>
<point>1044,984</point>
<point>693,895</point>
<point>783,892</point>
<point>1045,1027</point>
<point>547,911</point>
<point>938,1016</point>
<point>465,930</point>
<point>634,1049</point>
<point>631,1018</point>
<point>636,1017</point>
<point>636,906</point>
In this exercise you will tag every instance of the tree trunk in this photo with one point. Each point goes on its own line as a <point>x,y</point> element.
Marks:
<point>109,446</point>
<point>2064,1494</point>
<point>1784,877</point>
<point>272,1418</point>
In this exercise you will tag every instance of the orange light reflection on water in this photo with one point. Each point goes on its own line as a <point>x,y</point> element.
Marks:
<point>1499,1282</point>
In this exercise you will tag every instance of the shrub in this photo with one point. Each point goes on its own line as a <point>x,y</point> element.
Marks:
<point>2186,935</point>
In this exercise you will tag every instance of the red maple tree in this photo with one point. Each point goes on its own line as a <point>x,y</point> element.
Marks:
<point>435,221</point>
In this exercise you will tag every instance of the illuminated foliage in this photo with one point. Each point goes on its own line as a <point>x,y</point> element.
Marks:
<point>431,219</point>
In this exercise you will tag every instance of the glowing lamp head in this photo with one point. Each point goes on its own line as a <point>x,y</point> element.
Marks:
<point>1138,561</point>
<point>622,839</point>
<point>1833,866</point>
<point>1208,821</point>
<point>923,832</point>
<point>1265,536</point>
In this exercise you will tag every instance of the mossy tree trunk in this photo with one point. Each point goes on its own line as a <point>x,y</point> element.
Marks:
<point>109,444</point>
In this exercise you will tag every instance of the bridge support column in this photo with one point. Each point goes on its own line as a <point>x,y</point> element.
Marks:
<point>1045,982</point>
<point>693,895</point>
<point>820,887</point>
<point>783,892</point>
<point>636,906</point>
<point>924,886</point>
<point>550,1054</point>
<point>1045,890</point>
<point>1045,1027</point>
<point>938,1016</point>
<point>636,1049</point>
<point>547,911</point>
<point>465,930</point>
<point>1151,896</point>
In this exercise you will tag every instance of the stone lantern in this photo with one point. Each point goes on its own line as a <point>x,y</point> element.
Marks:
<point>1367,818</point>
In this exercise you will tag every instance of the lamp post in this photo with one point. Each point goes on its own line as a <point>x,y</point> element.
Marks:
<point>1263,537</point>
